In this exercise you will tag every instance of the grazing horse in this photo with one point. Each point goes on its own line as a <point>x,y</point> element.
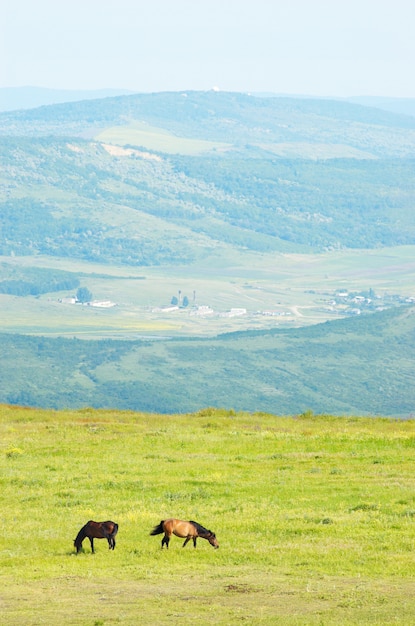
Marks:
<point>188,530</point>
<point>97,530</point>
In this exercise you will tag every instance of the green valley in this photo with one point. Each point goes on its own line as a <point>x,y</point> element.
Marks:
<point>193,216</point>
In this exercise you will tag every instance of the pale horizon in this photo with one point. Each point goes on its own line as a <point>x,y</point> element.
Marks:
<point>321,49</point>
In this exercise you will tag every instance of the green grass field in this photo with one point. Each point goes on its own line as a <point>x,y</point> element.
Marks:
<point>314,516</point>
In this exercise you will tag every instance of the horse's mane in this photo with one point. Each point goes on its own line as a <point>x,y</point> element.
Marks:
<point>81,535</point>
<point>201,529</point>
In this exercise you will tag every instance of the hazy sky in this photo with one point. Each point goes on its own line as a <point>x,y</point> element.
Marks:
<point>316,47</point>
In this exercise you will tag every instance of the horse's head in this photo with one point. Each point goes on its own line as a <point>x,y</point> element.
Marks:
<point>77,545</point>
<point>212,540</point>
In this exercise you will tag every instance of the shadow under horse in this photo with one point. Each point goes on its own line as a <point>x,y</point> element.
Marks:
<point>96,530</point>
<point>187,530</point>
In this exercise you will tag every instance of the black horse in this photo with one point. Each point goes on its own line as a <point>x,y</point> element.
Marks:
<point>97,530</point>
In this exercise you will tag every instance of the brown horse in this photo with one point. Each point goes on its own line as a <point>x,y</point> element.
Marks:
<point>97,530</point>
<point>188,530</point>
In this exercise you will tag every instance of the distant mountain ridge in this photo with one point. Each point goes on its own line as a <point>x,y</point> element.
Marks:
<point>403,106</point>
<point>241,120</point>
<point>28,97</point>
<point>16,98</point>
<point>193,172</point>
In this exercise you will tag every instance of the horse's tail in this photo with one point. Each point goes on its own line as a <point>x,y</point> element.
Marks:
<point>157,530</point>
<point>115,530</point>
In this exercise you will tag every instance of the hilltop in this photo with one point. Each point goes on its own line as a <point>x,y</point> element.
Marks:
<point>264,205</point>
<point>177,177</point>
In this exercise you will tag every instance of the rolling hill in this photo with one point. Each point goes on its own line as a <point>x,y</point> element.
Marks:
<point>172,178</point>
<point>361,366</point>
<point>202,185</point>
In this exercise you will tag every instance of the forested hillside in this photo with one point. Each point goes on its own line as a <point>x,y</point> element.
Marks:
<point>193,184</point>
<point>353,366</point>
<point>234,118</point>
<point>77,200</point>
<point>268,175</point>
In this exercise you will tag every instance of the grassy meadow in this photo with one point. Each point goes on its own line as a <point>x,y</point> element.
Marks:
<point>298,287</point>
<point>157,139</point>
<point>314,516</point>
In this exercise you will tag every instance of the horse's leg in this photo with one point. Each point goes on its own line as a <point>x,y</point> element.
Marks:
<point>186,540</point>
<point>165,540</point>
<point>194,542</point>
<point>91,540</point>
